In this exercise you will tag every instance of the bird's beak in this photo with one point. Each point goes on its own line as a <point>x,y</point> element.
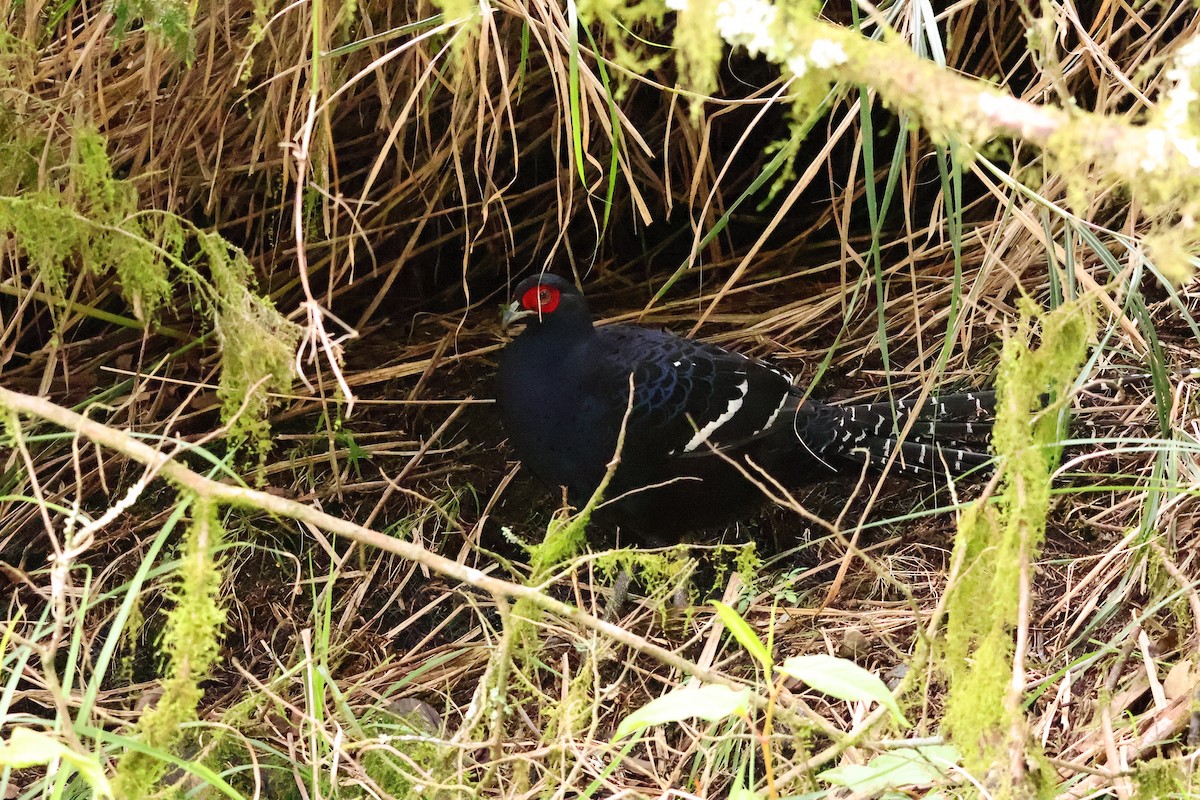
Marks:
<point>513,315</point>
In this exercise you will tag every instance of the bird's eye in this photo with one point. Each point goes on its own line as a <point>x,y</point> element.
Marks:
<point>541,298</point>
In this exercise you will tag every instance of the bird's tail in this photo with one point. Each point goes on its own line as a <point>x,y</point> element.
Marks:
<point>948,434</point>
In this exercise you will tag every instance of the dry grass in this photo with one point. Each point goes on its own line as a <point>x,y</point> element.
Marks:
<point>427,168</point>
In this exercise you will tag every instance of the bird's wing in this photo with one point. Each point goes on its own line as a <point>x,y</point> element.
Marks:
<point>692,397</point>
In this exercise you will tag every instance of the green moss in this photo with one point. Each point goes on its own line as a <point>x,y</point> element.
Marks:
<point>698,47</point>
<point>565,537</point>
<point>632,54</point>
<point>1155,161</point>
<point>978,646</point>
<point>1170,248</point>
<point>189,645</point>
<point>748,564</point>
<point>1149,166</point>
<point>20,150</point>
<point>18,58</point>
<point>258,344</point>
<point>994,540</point>
<point>395,743</point>
<point>132,248</point>
<point>465,34</point>
<point>83,215</point>
<point>1159,778</point>
<point>570,715</point>
<point>79,219</point>
<point>167,20</point>
<point>653,568</point>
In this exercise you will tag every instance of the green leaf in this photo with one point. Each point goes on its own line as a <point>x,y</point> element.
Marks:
<point>709,702</point>
<point>30,748</point>
<point>739,791</point>
<point>842,679</point>
<point>920,766</point>
<point>745,635</point>
<point>356,454</point>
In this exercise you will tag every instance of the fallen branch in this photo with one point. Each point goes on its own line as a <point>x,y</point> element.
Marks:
<point>796,713</point>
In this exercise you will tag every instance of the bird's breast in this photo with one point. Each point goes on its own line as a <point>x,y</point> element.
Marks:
<point>555,426</point>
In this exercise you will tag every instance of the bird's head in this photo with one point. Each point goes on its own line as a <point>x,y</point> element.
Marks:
<point>546,301</point>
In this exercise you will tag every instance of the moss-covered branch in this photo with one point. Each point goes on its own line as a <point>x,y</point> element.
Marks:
<point>207,490</point>
<point>1156,160</point>
<point>971,110</point>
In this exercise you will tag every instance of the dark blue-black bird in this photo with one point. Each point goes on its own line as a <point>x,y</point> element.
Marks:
<point>697,410</point>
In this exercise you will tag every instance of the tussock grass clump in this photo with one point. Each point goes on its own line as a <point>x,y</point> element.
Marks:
<point>80,225</point>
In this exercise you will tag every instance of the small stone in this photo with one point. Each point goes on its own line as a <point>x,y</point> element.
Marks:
<point>1180,680</point>
<point>854,644</point>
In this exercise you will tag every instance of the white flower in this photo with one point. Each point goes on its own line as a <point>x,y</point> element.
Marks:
<point>1176,118</point>
<point>798,64</point>
<point>1189,149</point>
<point>677,5</point>
<point>1179,99</point>
<point>826,53</point>
<point>1155,156</point>
<point>747,23</point>
<point>1188,56</point>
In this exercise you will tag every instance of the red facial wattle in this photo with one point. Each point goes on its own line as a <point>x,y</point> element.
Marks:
<point>542,299</point>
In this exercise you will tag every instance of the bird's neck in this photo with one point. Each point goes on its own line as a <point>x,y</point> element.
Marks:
<point>549,354</point>
<point>563,330</point>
